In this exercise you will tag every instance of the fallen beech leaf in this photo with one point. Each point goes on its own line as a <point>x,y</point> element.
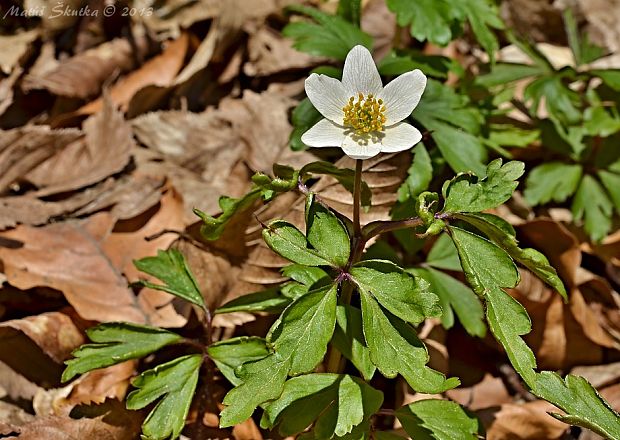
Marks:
<point>489,392</point>
<point>22,149</point>
<point>36,346</point>
<point>104,151</point>
<point>159,71</point>
<point>270,53</point>
<point>14,47</point>
<point>90,283</point>
<point>599,375</point>
<point>6,89</point>
<point>525,421</point>
<point>82,75</point>
<point>14,385</point>
<point>380,23</point>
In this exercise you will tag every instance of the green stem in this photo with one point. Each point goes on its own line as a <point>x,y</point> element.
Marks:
<point>334,360</point>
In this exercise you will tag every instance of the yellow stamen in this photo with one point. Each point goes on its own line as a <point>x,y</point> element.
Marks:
<point>366,115</point>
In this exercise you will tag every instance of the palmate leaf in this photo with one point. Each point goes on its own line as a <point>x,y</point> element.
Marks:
<point>592,204</point>
<point>299,341</point>
<point>396,349</point>
<point>434,419</point>
<point>399,292</point>
<point>175,383</point>
<point>552,181</point>
<point>336,403</point>
<point>171,268</point>
<point>466,193</point>
<point>116,342</point>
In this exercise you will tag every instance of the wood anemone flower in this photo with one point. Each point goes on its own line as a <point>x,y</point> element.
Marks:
<point>361,116</point>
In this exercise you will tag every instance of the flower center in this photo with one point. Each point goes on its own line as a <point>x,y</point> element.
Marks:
<point>365,115</point>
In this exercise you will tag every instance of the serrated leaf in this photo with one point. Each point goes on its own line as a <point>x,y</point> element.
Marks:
<point>396,349</point>
<point>268,300</point>
<point>304,274</point>
<point>230,354</point>
<point>345,177</point>
<point>584,51</point>
<point>483,15</point>
<point>171,268</point>
<point>428,19</point>
<point>420,174</point>
<point>305,328</point>
<point>611,182</point>
<point>443,254</point>
<point>505,73</point>
<point>175,383</point>
<point>350,10</point>
<point>401,293</point>
<point>213,227</point>
<point>349,339</point>
<point>591,202</point>
<point>466,193</point>
<point>116,342</point>
<point>454,295</point>
<point>326,233</point>
<point>508,321</point>
<point>551,181</point>
<point>262,380</point>
<point>507,135</point>
<point>582,404</point>
<point>485,264</point>
<point>337,403</point>
<point>561,102</point>
<point>434,419</point>
<point>289,242</point>
<point>530,258</point>
<point>330,36</point>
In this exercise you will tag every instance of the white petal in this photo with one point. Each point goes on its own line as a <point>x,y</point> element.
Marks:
<point>360,149</point>
<point>402,95</point>
<point>400,137</point>
<point>360,75</point>
<point>328,95</point>
<point>324,134</point>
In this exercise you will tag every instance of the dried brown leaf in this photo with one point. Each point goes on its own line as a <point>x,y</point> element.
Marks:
<point>69,257</point>
<point>82,75</point>
<point>36,346</point>
<point>105,150</point>
<point>14,47</point>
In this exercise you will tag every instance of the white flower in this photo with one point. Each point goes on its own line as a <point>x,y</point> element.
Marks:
<point>361,116</point>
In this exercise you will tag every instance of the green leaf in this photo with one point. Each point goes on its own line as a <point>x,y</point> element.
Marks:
<point>507,135</point>
<point>326,233</point>
<point>582,404</point>
<point>484,263</point>
<point>350,10</point>
<point>592,203</point>
<point>268,300</point>
<point>213,227</point>
<point>330,36</point>
<point>599,122</point>
<point>303,118</point>
<point>508,321</point>
<point>305,328</point>
<point>467,193</point>
<point>402,294</point>
<point>262,380</point>
<point>349,339</point>
<point>505,73</point>
<point>305,275</point>
<point>230,354</point>
<point>175,383</point>
<point>463,151</point>
<point>530,258</point>
<point>551,181</point>
<point>420,174</point>
<point>428,19</point>
<point>443,254</point>
<point>584,51</point>
<point>483,15</point>
<point>345,177</point>
<point>611,77</point>
<point>116,342</point>
<point>611,182</point>
<point>454,295</point>
<point>434,419</point>
<point>337,403</point>
<point>171,268</point>
<point>397,63</point>
<point>289,242</point>
<point>560,101</point>
<point>395,348</point>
